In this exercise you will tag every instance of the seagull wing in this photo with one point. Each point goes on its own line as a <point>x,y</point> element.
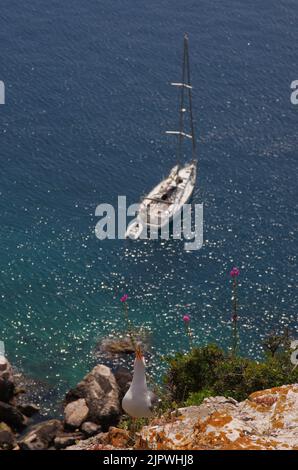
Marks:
<point>154,400</point>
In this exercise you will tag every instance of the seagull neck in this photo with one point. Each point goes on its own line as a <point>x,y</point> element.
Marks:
<point>139,377</point>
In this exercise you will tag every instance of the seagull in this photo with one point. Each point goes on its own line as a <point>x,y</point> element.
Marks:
<point>138,401</point>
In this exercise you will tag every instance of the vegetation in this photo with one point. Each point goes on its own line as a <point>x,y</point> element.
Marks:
<point>196,398</point>
<point>209,371</point>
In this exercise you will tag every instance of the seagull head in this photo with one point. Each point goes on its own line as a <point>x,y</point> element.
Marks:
<point>139,364</point>
<point>139,371</point>
<point>139,354</point>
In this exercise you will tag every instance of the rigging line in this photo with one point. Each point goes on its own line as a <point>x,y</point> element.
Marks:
<point>190,103</point>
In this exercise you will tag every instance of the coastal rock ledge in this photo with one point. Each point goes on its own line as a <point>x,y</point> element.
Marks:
<point>267,420</point>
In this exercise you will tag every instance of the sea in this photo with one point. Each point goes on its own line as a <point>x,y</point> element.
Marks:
<point>87,103</point>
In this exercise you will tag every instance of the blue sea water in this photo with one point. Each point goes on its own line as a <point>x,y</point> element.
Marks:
<point>87,104</point>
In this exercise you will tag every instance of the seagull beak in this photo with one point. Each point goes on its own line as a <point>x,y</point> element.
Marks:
<point>139,354</point>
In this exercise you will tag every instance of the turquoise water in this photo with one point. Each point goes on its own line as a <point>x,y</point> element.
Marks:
<point>87,104</point>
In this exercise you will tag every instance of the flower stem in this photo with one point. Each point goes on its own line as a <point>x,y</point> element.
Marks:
<point>129,326</point>
<point>188,332</point>
<point>235,318</point>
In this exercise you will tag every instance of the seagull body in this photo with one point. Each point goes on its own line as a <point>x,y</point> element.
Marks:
<point>137,401</point>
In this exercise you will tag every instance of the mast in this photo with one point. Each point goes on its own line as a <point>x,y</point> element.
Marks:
<point>181,105</point>
<point>185,87</point>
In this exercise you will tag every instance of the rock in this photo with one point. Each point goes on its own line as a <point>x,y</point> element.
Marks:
<point>123,377</point>
<point>114,439</point>
<point>5,369</point>
<point>93,443</point>
<point>117,346</point>
<point>102,442</point>
<point>101,393</point>
<point>41,436</point>
<point>122,345</point>
<point>90,429</point>
<point>115,351</point>
<point>7,385</point>
<point>267,420</point>
<point>4,427</point>
<point>28,409</point>
<point>12,416</point>
<point>7,439</point>
<point>65,440</point>
<point>118,438</point>
<point>75,413</point>
<point>7,390</point>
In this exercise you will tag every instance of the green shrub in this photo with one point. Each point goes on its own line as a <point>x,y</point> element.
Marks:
<point>196,398</point>
<point>210,371</point>
<point>194,371</point>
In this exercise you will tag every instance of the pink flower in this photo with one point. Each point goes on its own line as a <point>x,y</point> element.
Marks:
<point>186,318</point>
<point>124,298</point>
<point>234,272</point>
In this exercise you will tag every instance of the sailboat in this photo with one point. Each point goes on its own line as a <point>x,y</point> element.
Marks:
<point>166,200</point>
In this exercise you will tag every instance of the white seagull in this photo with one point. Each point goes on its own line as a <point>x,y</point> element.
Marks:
<point>138,400</point>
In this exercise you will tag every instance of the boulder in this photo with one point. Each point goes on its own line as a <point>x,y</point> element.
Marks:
<point>67,439</point>
<point>7,438</point>
<point>267,420</point>
<point>28,409</point>
<point>117,345</point>
<point>12,416</point>
<point>89,444</point>
<point>5,369</point>
<point>41,436</point>
<point>75,413</point>
<point>4,427</point>
<point>114,439</point>
<point>90,429</point>
<point>123,377</point>
<point>101,393</point>
<point>114,350</point>
<point>7,386</point>
<point>7,390</point>
<point>122,345</point>
<point>118,438</point>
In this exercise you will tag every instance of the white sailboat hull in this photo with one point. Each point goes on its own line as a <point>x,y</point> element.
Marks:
<point>165,201</point>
